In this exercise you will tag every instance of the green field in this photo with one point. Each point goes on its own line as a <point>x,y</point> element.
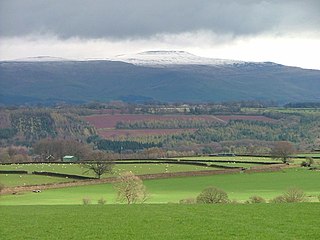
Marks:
<point>235,164</point>
<point>236,159</point>
<point>12,180</point>
<point>239,186</point>
<point>77,169</point>
<point>309,155</point>
<point>233,158</point>
<point>171,221</point>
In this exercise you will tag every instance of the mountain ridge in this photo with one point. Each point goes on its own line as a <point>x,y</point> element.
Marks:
<point>48,82</point>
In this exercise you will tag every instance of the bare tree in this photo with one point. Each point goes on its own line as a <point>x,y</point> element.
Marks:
<point>130,189</point>
<point>282,150</point>
<point>58,148</point>
<point>101,164</point>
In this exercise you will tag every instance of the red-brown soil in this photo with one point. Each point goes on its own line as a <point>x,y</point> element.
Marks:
<point>106,123</point>
<point>110,133</point>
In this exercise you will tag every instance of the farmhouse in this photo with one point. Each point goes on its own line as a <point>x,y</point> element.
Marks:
<point>69,158</point>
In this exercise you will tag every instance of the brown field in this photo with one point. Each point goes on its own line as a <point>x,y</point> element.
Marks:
<point>106,123</point>
<point>111,133</point>
<point>110,121</point>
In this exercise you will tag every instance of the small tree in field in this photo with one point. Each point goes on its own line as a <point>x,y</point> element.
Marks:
<point>130,189</point>
<point>282,150</point>
<point>212,195</point>
<point>101,166</point>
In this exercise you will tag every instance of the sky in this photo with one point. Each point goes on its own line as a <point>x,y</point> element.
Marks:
<point>282,31</point>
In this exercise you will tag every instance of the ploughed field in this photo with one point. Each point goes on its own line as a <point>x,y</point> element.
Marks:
<point>106,123</point>
<point>170,221</point>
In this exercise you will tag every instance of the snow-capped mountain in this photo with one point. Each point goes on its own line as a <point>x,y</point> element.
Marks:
<point>166,76</point>
<point>41,59</point>
<point>164,58</point>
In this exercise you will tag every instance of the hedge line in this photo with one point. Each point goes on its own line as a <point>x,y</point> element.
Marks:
<point>54,174</point>
<point>13,172</point>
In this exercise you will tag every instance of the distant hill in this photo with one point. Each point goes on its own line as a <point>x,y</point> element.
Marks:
<point>158,75</point>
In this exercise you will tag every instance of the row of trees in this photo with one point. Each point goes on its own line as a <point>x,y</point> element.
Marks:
<point>168,124</point>
<point>214,195</point>
<point>56,149</point>
<point>119,146</point>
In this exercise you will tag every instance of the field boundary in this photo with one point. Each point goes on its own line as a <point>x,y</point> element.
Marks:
<point>19,189</point>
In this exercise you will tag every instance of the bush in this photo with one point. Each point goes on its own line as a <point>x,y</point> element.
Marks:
<point>212,195</point>
<point>290,196</point>
<point>294,195</point>
<point>305,164</point>
<point>256,199</point>
<point>86,201</point>
<point>188,201</point>
<point>278,199</point>
<point>308,162</point>
<point>102,201</point>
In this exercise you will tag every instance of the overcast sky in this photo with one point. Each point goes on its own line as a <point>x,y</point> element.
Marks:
<point>283,31</point>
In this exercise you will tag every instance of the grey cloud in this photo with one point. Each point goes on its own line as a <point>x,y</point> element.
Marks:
<point>143,18</point>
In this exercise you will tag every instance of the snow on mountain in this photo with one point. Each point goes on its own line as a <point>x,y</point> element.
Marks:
<point>41,59</point>
<point>164,58</point>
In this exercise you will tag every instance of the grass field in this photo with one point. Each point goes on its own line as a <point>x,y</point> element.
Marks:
<point>78,169</point>
<point>309,155</point>
<point>171,221</point>
<point>235,158</point>
<point>238,186</point>
<point>292,160</point>
<point>12,180</point>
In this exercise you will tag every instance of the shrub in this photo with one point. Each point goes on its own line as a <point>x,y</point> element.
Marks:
<point>188,201</point>
<point>278,199</point>
<point>86,201</point>
<point>256,199</point>
<point>294,195</point>
<point>212,195</point>
<point>308,162</point>
<point>305,164</point>
<point>290,196</point>
<point>102,201</point>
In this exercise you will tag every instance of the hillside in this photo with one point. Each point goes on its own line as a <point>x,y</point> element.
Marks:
<point>25,126</point>
<point>49,82</point>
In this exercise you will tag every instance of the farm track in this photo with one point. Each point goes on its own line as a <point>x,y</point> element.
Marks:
<point>19,189</point>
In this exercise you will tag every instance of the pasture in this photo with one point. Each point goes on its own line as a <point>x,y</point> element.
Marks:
<point>239,186</point>
<point>233,158</point>
<point>170,221</point>
<point>11,180</point>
